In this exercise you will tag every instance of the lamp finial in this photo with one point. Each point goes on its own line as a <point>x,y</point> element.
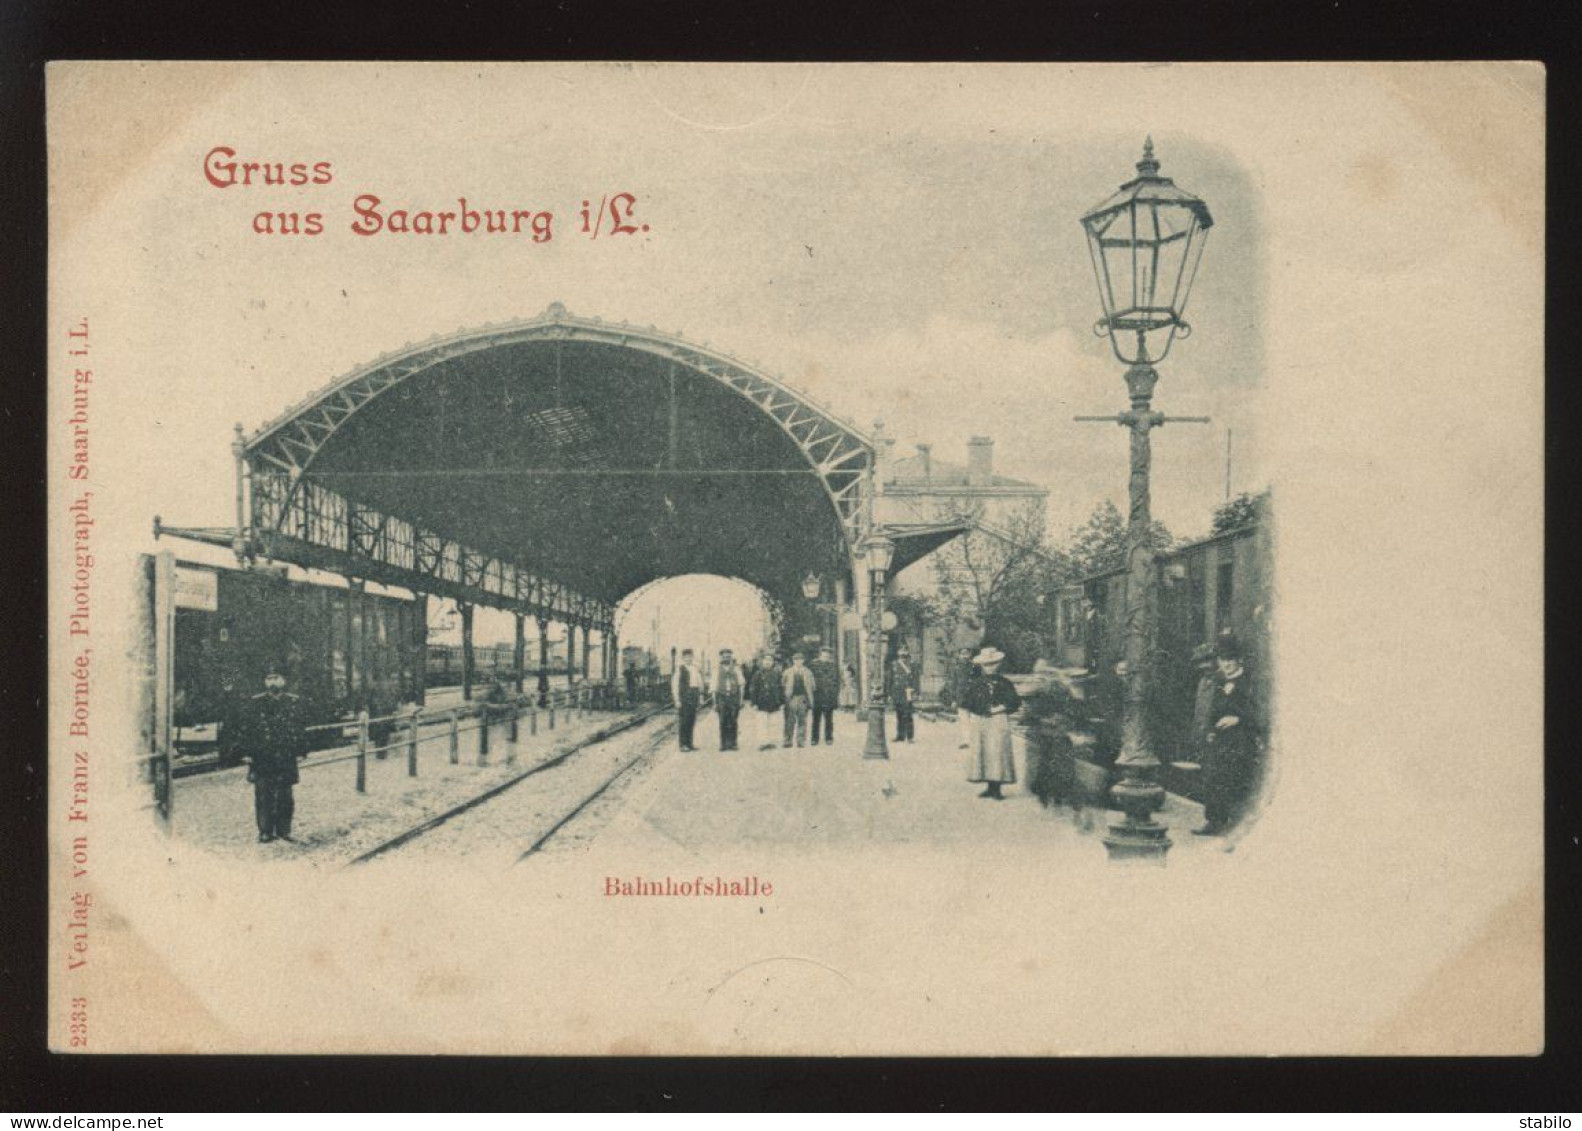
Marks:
<point>1148,166</point>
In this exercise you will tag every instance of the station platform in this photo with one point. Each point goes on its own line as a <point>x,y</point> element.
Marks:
<point>830,796</point>
<point>825,797</point>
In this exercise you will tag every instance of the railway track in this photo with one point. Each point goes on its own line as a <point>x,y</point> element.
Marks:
<point>582,794</point>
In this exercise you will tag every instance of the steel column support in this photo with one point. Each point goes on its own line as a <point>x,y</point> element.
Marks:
<point>543,661</point>
<point>519,650</point>
<point>466,651</point>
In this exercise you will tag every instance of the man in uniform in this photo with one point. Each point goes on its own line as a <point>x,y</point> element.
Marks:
<point>273,738</point>
<point>686,689</point>
<point>903,694</point>
<point>729,689</point>
<point>826,695</point>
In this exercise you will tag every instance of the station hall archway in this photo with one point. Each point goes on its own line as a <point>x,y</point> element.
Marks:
<point>554,466</point>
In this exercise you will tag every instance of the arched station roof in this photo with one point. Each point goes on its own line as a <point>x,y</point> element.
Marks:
<point>598,455</point>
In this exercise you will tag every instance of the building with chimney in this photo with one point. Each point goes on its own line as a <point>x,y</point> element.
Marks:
<point>923,489</point>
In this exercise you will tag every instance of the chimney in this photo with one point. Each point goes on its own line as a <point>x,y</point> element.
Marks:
<point>925,457</point>
<point>882,446</point>
<point>980,461</point>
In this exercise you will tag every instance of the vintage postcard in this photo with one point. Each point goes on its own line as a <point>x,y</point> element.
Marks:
<point>975,560</point>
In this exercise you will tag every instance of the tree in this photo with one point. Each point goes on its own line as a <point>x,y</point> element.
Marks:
<point>1099,545</point>
<point>1244,510</point>
<point>993,578</point>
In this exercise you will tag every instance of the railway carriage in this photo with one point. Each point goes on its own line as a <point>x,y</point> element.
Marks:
<point>342,649</point>
<point>1204,588</point>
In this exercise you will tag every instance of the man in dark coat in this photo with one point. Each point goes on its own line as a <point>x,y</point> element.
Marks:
<point>904,685</point>
<point>686,690</point>
<point>826,695</point>
<point>767,695</point>
<point>729,691</point>
<point>1231,750</point>
<point>631,683</point>
<point>273,738</point>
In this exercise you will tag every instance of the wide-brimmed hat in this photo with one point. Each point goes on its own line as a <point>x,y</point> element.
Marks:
<point>988,656</point>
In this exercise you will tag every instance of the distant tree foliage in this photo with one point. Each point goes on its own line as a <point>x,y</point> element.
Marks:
<point>1099,545</point>
<point>996,578</point>
<point>1244,510</point>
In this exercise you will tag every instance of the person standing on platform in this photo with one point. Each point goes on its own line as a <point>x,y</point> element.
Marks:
<point>962,669</point>
<point>903,694</point>
<point>631,683</point>
<point>848,688</point>
<point>992,700</point>
<point>826,695</point>
<point>729,691</point>
<point>767,694</point>
<point>800,686</point>
<point>1231,750</point>
<point>686,691</point>
<point>273,738</point>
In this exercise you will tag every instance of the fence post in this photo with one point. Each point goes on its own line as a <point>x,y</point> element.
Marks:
<point>362,750</point>
<point>516,715</point>
<point>484,712</point>
<point>551,714</point>
<point>455,739</point>
<point>411,742</point>
<point>532,720</point>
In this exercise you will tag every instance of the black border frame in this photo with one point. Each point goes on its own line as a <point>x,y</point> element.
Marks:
<point>34,31</point>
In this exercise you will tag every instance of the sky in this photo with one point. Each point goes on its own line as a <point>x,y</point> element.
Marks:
<point>902,244</point>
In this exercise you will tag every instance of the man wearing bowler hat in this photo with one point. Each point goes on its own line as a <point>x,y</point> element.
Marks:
<point>273,738</point>
<point>1230,750</point>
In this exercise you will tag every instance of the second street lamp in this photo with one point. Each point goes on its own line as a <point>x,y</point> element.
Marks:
<point>878,552</point>
<point>1145,242</point>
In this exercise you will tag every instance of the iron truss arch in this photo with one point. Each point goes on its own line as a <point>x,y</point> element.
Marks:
<point>308,503</point>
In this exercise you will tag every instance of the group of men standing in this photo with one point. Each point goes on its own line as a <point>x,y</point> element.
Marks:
<point>780,701</point>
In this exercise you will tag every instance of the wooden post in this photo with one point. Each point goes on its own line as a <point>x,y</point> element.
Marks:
<point>483,734</point>
<point>164,684</point>
<point>411,743</point>
<point>532,721</point>
<point>362,750</point>
<point>455,738</point>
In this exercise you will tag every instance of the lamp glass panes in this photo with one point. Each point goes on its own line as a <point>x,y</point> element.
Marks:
<point>880,552</point>
<point>1145,242</point>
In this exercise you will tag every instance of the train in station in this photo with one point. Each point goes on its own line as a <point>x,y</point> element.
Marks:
<point>342,649</point>
<point>1204,588</point>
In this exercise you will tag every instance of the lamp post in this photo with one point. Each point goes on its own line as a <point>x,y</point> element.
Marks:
<point>1145,242</point>
<point>878,551</point>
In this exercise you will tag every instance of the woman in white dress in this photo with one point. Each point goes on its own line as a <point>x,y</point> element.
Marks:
<point>991,700</point>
